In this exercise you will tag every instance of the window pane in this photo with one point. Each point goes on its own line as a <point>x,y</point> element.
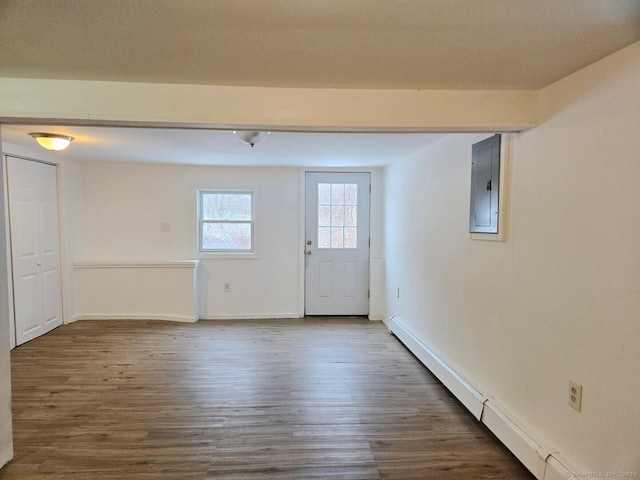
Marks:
<point>337,194</point>
<point>324,216</point>
<point>337,237</point>
<point>337,209</point>
<point>324,237</point>
<point>226,236</point>
<point>351,216</point>
<point>350,237</point>
<point>324,194</point>
<point>226,206</point>
<point>351,194</point>
<point>337,216</point>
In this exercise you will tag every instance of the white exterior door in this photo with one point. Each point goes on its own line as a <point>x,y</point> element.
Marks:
<point>337,244</point>
<point>35,252</point>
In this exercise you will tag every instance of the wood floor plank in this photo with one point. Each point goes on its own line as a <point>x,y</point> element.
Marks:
<point>317,398</point>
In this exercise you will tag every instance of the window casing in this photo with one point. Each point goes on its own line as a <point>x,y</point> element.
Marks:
<point>226,221</point>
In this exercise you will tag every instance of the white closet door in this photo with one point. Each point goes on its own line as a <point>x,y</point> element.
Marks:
<point>35,251</point>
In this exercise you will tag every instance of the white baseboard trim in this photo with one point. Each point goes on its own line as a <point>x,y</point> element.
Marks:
<point>545,463</point>
<point>463,390</point>
<point>256,316</point>
<point>526,449</point>
<point>375,317</point>
<point>559,469</point>
<point>171,318</point>
<point>176,318</point>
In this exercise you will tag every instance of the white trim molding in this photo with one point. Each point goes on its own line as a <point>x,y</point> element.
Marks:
<point>526,449</point>
<point>558,468</point>
<point>470,397</point>
<point>170,318</point>
<point>256,316</point>
<point>153,264</point>
<point>543,462</point>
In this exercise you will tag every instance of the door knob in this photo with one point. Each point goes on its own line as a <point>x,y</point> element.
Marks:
<point>309,242</point>
<point>308,252</point>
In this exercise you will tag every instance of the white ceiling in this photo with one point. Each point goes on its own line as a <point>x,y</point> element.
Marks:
<point>222,147</point>
<point>436,44</point>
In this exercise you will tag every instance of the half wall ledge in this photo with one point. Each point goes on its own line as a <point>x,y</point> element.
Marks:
<point>149,290</point>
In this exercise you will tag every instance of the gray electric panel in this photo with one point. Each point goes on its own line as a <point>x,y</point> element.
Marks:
<point>485,183</point>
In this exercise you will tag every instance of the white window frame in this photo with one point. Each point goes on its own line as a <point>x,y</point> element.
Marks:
<point>201,221</point>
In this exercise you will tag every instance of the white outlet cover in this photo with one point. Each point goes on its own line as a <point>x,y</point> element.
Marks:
<point>575,396</point>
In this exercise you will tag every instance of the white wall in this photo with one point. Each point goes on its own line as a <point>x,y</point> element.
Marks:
<point>71,203</point>
<point>138,290</point>
<point>560,299</point>
<point>126,203</point>
<point>6,436</point>
<point>9,268</point>
<point>377,304</point>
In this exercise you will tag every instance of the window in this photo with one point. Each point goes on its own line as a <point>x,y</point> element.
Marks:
<point>337,215</point>
<point>225,220</point>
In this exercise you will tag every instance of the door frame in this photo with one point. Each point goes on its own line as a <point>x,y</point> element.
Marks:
<point>375,230</point>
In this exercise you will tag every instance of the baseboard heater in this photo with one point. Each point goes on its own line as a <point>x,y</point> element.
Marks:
<point>544,463</point>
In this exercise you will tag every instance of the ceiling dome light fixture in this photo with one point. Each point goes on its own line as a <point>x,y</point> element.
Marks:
<point>52,141</point>
<point>251,137</point>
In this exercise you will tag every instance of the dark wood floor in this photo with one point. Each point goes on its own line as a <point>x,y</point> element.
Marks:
<point>314,398</point>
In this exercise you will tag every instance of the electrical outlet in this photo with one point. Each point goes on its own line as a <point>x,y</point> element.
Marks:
<point>575,396</point>
<point>227,287</point>
<point>165,227</point>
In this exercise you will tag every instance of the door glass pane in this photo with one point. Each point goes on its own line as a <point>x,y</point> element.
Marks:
<point>324,216</point>
<point>337,208</point>
<point>324,194</point>
<point>337,194</point>
<point>351,194</point>
<point>350,237</point>
<point>351,216</point>
<point>337,237</point>
<point>337,216</point>
<point>324,237</point>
